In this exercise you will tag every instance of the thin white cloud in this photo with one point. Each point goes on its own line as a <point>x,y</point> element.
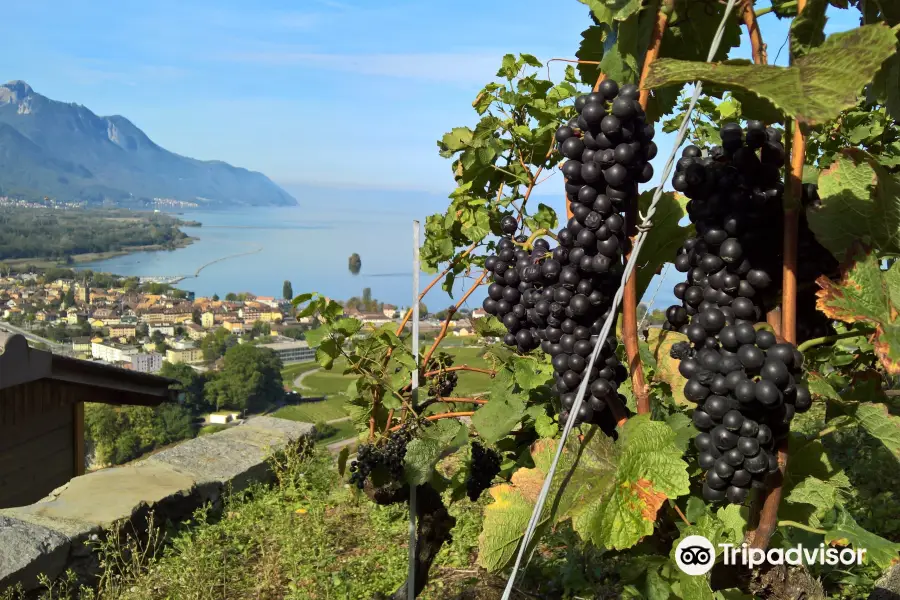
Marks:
<point>85,74</point>
<point>465,68</point>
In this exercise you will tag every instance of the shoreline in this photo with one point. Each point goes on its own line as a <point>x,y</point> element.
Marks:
<point>97,256</point>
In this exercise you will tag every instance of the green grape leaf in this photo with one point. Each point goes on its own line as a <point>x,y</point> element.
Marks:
<point>683,427</point>
<point>531,374</point>
<point>497,418</point>
<point>820,388</point>
<point>808,29</point>
<point>489,326</point>
<point>810,459</point>
<point>591,49</point>
<point>666,236</point>
<point>509,68</point>
<point>784,8</point>
<point>648,471</point>
<point>611,491</point>
<point>860,203</point>
<point>457,139</point>
<point>661,343</point>
<point>691,29</point>
<point>544,218</point>
<point>423,453</point>
<point>823,495</point>
<point>506,517</point>
<point>734,518</point>
<point>866,294</point>
<point>695,588</point>
<point>846,532</point>
<point>885,89</point>
<point>880,424</point>
<point>607,11</point>
<point>805,90</point>
<point>620,60</point>
<point>347,327</point>
<point>327,351</point>
<point>343,455</point>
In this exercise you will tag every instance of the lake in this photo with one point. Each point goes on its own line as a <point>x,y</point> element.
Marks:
<point>308,246</point>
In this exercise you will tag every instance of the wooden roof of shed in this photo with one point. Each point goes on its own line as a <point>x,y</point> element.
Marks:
<point>20,364</point>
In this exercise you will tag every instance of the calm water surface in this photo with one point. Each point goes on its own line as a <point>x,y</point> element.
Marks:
<point>308,246</point>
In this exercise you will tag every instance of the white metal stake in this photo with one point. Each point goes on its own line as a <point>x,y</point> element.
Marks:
<point>411,576</point>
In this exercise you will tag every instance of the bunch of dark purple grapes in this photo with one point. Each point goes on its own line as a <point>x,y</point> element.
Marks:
<point>559,299</point>
<point>384,461</point>
<point>745,383</point>
<point>483,468</point>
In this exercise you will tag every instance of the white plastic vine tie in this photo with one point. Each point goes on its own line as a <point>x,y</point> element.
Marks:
<point>613,313</point>
<point>414,387</point>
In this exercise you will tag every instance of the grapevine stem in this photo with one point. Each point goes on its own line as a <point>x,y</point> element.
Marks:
<point>801,526</point>
<point>630,299</point>
<point>680,514</point>
<point>827,339</point>
<point>461,368</point>
<point>467,400</point>
<point>438,417</point>
<point>756,41</point>
<point>768,516</point>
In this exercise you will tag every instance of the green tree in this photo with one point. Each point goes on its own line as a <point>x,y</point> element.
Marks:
<point>69,298</point>
<point>216,343</point>
<point>190,383</point>
<point>250,379</point>
<point>215,297</point>
<point>296,333</point>
<point>196,317</point>
<point>287,290</point>
<point>231,297</point>
<point>157,337</point>
<point>355,263</point>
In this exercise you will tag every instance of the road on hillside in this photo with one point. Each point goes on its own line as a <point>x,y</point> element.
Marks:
<point>298,382</point>
<point>55,347</point>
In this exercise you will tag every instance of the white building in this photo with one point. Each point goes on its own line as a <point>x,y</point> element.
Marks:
<point>112,353</point>
<point>166,329</point>
<point>183,344</point>
<point>292,352</point>
<point>150,362</point>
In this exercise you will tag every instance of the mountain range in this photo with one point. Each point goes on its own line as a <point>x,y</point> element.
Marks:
<point>64,151</point>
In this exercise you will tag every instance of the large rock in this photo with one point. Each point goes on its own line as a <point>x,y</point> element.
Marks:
<point>888,586</point>
<point>27,550</point>
<point>52,535</point>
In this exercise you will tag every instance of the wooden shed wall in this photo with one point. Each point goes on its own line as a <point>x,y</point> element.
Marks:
<point>37,440</point>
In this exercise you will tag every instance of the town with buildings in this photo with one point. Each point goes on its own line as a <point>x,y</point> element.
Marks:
<point>139,330</point>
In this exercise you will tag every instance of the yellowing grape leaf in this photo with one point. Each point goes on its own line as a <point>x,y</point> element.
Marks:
<point>866,294</point>
<point>612,492</point>
<point>846,532</point>
<point>661,343</point>
<point>860,204</point>
<point>806,90</point>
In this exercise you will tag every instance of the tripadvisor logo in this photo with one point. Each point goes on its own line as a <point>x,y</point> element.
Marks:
<point>695,555</point>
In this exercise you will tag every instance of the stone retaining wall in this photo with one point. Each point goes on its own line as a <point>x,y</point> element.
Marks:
<point>53,535</point>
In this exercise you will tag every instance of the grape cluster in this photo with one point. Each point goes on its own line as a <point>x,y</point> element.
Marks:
<point>385,458</point>
<point>484,467</point>
<point>442,384</point>
<point>745,383</point>
<point>559,298</point>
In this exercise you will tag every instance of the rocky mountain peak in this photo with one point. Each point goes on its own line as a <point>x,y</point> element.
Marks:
<point>14,91</point>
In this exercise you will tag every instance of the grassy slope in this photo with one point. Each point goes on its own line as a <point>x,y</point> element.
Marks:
<point>333,384</point>
<point>308,538</point>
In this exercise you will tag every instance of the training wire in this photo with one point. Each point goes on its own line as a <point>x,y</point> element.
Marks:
<point>643,228</point>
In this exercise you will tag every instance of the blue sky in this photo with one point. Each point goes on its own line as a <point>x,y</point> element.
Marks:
<point>316,93</point>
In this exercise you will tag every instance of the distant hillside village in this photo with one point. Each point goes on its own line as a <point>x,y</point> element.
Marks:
<point>131,327</point>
